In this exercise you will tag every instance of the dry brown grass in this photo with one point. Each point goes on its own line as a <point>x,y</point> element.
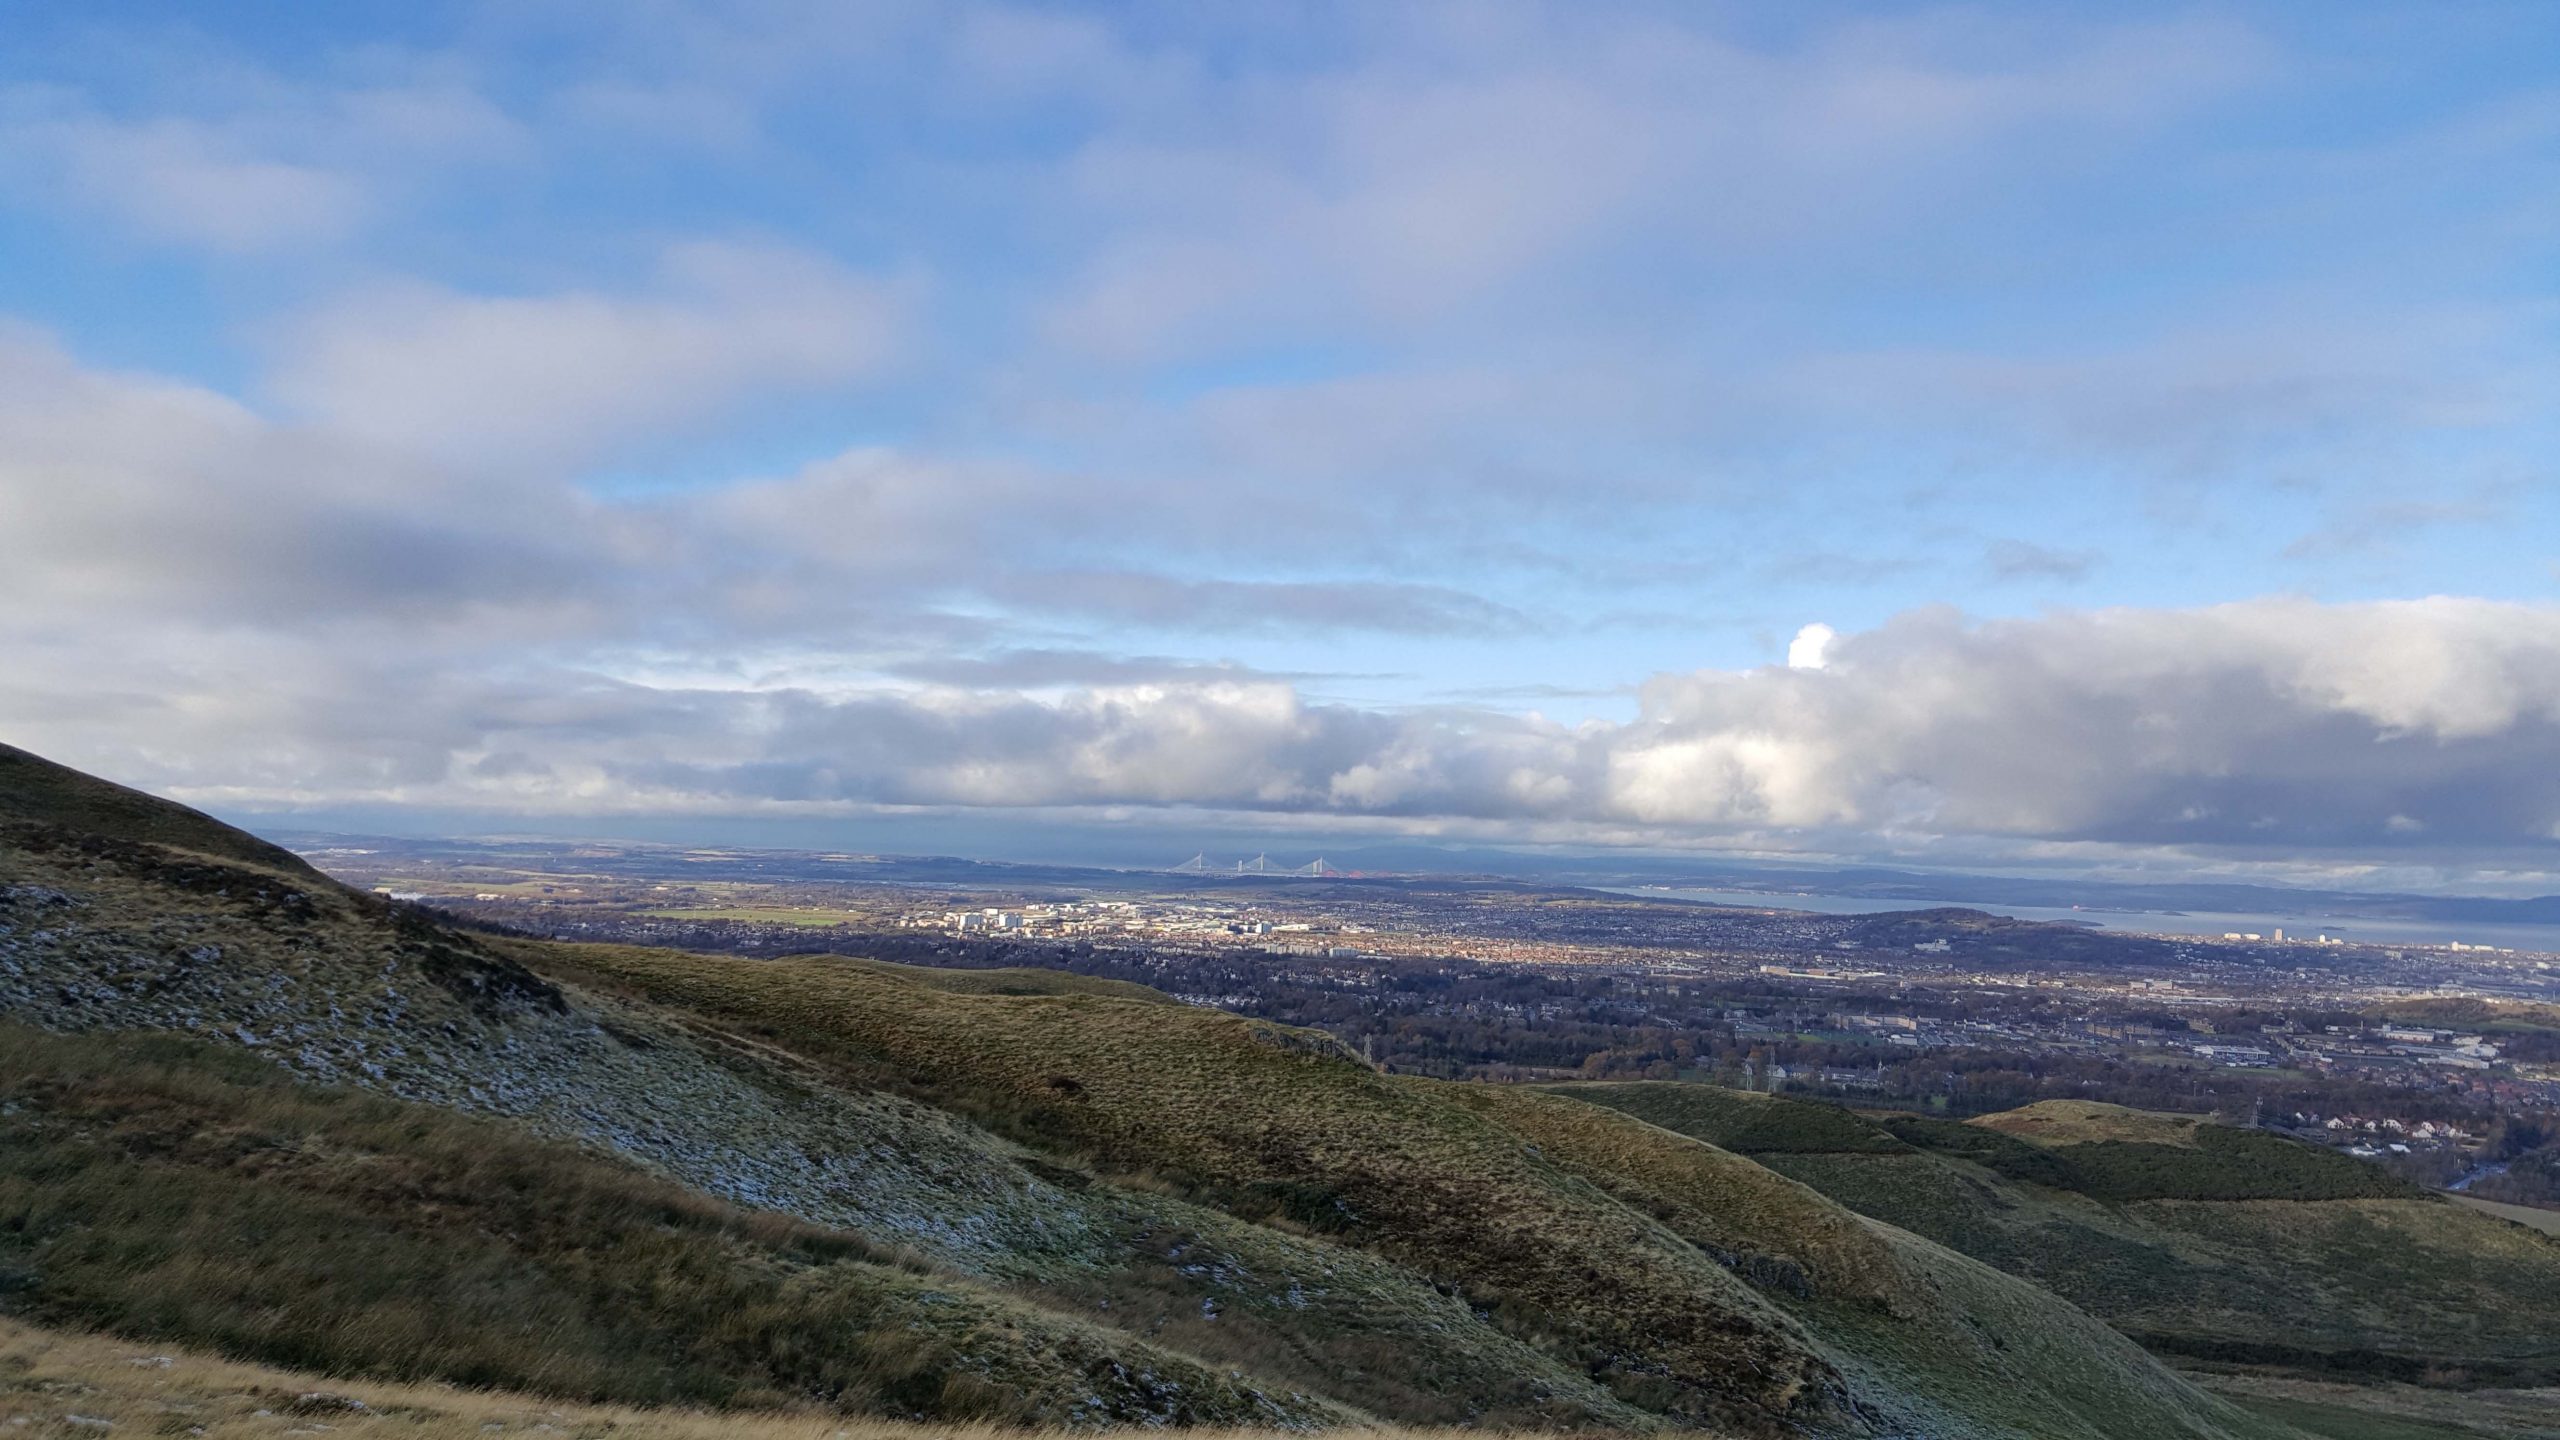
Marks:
<point>2546,1221</point>
<point>1692,1282</point>
<point>56,1383</point>
<point>2512,1414</point>
<point>2081,1122</point>
<point>34,790</point>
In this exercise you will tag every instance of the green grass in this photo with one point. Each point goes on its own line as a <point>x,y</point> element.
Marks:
<point>165,1190</point>
<point>1138,1207</point>
<point>2532,1217</point>
<point>2225,1164</point>
<point>36,791</point>
<point>2082,1122</point>
<point>2203,1240</point>
<point>1689,1280</point>
<point>1740,1121</point>
<point>2340,1422</point>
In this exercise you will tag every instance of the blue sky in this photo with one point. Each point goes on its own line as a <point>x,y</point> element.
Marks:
<point>1433,418</point>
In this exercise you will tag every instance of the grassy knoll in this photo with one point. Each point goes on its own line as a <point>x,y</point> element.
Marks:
<point>167,1190</point>
<point>2197,1239</point>
<point>2083,1122</point>
<point>38,792</point>
<point>1739,1120</point>
<point>1691,1282</point>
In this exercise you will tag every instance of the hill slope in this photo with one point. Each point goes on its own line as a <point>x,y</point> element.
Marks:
<point>279,1116</point>
<point>2197,1239</point>
<point>35,791</point>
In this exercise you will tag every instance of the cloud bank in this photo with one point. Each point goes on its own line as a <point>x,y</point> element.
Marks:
<point>775,410</point>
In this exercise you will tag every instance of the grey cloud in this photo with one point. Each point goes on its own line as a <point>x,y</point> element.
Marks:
<point>1458,155</point>
<point>1021,669</point>
<point>248,163</point>
<point>537,382</point>
<point>128,498</point>
<point>1249,605</point>
<point>2025,560</point>
<point>2271,727</point>
<point>2386,523</point>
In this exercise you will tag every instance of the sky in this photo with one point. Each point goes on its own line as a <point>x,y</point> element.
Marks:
<point>2118,437</point>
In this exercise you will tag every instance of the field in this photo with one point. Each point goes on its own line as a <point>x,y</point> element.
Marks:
<point>2202,1241</point>
<point>757,914</point>
<point>2546,1221</point>
<point>2339,1411</point>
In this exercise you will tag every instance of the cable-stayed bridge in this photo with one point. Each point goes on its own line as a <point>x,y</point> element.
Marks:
<point>1259,865</point>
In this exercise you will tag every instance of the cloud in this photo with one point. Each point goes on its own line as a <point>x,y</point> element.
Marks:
<point>1536,337</point>
<point>1460,152</point>
<point>1249,605</point>
<point>1811,647</point>
<point>2026,560</point>
<point>1046,668</point>
<point>180,180</point>
<point>2384,524</point>
<point>2274,728</point>
<point>547,381</point>
<point>126,499</point>
<point>259,167</point>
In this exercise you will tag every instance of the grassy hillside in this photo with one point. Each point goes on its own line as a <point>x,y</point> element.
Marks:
<point>35,791</point>
<point>1692,1282</point>
<point>164,1189</point>
<point>247,1108</point>
<point>335,988</point>
<point>2199,1240</point>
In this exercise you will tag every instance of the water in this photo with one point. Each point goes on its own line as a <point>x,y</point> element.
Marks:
<point>2357,929</point>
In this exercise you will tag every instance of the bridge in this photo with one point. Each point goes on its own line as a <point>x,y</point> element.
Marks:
<point>1258,865</point>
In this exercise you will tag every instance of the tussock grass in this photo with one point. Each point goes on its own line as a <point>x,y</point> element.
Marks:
<point>2204,1241</point>
<point>57,1383</point>
<point>2080,1122</point>
<point>160,1189</point>
<point>35,791</point>
<point>2339,1411</point>
<point>1742,1121</point>
<point>1437,1250</point>
<point>1691,1281</point>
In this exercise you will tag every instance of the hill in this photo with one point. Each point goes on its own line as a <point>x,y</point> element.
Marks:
<point>247,1108</point>
<point>36,792</point>
<point>2201,1241</point>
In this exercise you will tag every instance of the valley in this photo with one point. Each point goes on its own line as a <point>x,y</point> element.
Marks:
<point>253,1111</point>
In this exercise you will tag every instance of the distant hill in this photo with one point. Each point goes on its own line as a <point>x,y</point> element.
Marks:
<point>245,1108</point>
<point>2200,1240</point>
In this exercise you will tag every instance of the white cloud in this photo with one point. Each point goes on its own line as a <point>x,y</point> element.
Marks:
<point>180,180</point>
<point>1807,650</point>
<point>1461,152</point>
<point>261,167</point>
<point>542,381</point>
